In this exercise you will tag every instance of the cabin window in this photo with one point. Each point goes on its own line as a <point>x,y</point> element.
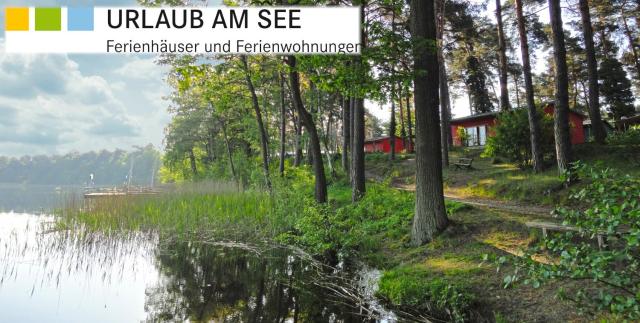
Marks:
<point>477,136</point>
<point>482,135</point>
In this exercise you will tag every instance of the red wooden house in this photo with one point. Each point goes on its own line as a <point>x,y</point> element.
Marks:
<point>383,145</point>
<point>478,127</point>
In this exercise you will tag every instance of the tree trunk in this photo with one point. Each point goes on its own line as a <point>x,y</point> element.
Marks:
<point>283,126</point>
<point>534,119</point>
<point>516,83</point>
<point>229,153</point>
<point>445,109</point>
<point>392,122</point>
<point>357,149</point>
<point>631,39</point>
<point>352,110</point>
<point>392,125</point>
<point>192,160</point>
<point>409,123</point>
<point>297,159</point>
<point>264,142</point>
<point>326,142</point>
<point>561,115</point>
<point>346,133</point>
<point>430,215</point>
<point>599,133</point>
<point>444,115</point>
<point>502,54</point>
<point>403,130</point>
<point>314,140</point>
<point>357,155</point>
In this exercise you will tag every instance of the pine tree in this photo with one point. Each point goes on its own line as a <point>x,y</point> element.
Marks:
<point>430,215</point>
<point>616,88</point>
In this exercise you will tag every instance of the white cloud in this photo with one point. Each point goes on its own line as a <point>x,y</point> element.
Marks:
<point>59,103</point>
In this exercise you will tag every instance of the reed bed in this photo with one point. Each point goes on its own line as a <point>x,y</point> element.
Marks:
<point>195,211</point>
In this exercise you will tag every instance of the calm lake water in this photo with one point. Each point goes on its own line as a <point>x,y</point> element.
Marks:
<point>66,276</point>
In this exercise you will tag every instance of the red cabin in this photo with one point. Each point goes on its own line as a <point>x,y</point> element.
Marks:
<point>383,145</point>
<point>478,127</point>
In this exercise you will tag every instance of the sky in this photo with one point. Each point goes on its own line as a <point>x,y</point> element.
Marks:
<point>56,104</point>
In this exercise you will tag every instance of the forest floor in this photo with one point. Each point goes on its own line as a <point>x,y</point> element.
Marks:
<point>491,183</point>
<point>501,199</point>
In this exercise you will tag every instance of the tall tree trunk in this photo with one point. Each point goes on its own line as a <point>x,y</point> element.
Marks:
<point>314,140</point>
<point>630,38</point>
<point>309,153</point>
<point>327,145</point>
<point>357,155</point>
<point>599,133</point>
<point>409,122</point>
<point>192,160</point>
<point>444,116</point>
<point>392,122</point>
<point>352,110</point>
<point>445,108</point>
<point>502,54</point>
<point>392,125</point>
<point>403,130</point>
<point>534,120</point>
<point>346,133</point>
<point>561,115</point>
<point>283,125</point>
<point>516,83</point>
<point>264,141</point>
<point>297,159</point>
<point>229,153</point>
<point>430,215</point>
<point>357,149</point>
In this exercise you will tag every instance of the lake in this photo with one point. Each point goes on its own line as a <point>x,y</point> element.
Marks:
<point>53,275</point>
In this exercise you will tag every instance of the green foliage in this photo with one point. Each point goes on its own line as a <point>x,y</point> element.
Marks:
<point>344,228</point>
<point>463,136</point>
<point>609,206</point>
<point>629,137</point>
<point>615,88</point>
<point>511,137</point>
<point>418,289</point>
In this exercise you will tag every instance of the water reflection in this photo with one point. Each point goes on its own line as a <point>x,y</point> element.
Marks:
<point>54,276</point>
<point>35,198</point>
<point>204,283</point>
<point>70,276</point>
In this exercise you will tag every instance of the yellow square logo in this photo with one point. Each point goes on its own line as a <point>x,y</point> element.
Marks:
<point>16,19</point>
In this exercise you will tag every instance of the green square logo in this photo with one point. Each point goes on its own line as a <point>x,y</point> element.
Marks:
<point>48,19</point>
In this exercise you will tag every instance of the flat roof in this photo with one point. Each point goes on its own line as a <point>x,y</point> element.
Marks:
<point>475,116</point>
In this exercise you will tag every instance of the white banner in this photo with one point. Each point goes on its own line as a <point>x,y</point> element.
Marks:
<point>185,30</point>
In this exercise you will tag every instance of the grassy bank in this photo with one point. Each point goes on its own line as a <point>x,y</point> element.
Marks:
<point>500,180</point>
<point>447,277</point>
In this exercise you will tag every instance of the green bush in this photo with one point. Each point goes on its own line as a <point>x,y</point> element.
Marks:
<point>419,289</point>
<point>511,139</point>
<point>629,137</point>
<point>609,206</point>
<point>463,136</point>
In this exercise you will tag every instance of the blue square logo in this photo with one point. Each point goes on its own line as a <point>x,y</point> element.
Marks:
<point>80,19</point>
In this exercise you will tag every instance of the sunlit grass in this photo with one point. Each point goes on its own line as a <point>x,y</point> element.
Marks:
<point>189,212</point>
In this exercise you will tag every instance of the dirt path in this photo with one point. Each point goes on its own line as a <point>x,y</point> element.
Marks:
<point>497,205</point>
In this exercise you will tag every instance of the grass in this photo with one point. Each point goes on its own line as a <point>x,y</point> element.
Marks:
<point>447,277</point>
<point>220,214</point>
<point>417,277</point>
<point>499,180</point>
